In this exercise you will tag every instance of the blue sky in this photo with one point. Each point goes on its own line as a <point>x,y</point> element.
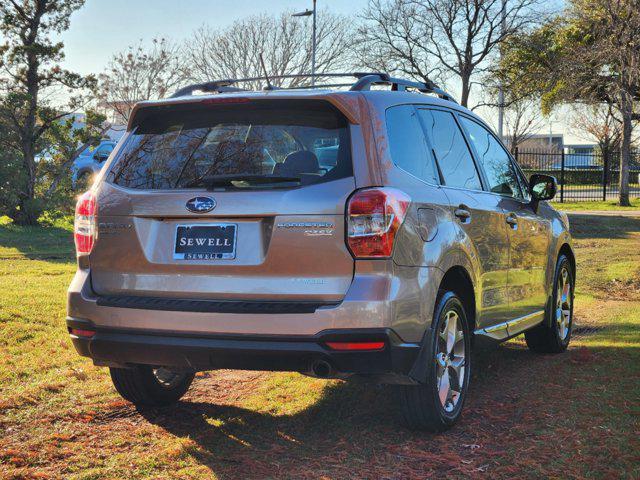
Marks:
<point>103,27</point>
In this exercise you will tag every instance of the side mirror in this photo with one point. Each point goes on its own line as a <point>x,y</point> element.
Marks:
<point>542,187</point>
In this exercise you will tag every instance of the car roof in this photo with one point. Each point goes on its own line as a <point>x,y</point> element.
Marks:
<point>345,100</point>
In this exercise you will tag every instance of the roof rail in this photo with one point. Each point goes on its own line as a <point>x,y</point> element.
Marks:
<point>364,82</point>
<point>399,84</point>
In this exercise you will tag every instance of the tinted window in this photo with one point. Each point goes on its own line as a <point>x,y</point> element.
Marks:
<point>103,151</point>
<point>409,150</point>
<point>450,150</point>
<point>214,145</point>
<point>494,160</point>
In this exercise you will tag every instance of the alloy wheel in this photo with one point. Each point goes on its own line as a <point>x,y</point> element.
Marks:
<point>450,361</point>
<point>563,303</point>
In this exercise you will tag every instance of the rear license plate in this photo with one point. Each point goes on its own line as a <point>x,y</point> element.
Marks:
<point>212,241</point>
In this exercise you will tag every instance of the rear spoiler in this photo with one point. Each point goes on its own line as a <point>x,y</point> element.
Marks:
<point>345,103</point>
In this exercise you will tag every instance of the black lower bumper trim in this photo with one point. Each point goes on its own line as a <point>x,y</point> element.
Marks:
<point>242,352</point>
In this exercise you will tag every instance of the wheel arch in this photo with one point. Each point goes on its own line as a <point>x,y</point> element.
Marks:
<point>458,280</point>
<point>566,249</point>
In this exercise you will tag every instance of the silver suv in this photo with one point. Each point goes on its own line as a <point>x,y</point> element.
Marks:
<point>215,238</point>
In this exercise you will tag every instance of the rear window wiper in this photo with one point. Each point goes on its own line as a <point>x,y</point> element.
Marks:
<point>228,180</point>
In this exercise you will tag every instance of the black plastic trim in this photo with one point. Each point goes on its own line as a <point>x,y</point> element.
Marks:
<point>209,306</point>
<point>123,347</point>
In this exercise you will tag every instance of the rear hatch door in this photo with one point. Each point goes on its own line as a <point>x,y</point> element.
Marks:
<point>228,202</point>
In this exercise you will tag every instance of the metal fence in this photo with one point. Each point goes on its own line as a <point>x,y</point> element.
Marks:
<point>582,176</point>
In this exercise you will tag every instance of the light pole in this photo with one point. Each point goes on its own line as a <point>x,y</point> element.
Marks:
<point>503,19</point>
<point>307,13</point>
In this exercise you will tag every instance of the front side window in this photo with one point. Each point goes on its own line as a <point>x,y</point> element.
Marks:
<point>261,145</point>
<point>450,149</point>
<point>408,147</point>
<point>494,160</point>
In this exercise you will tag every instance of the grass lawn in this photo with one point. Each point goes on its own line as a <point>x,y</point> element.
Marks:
<point>597,205</point>
<point>573,415</point>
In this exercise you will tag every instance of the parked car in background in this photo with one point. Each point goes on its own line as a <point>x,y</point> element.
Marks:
<point>89,162</point>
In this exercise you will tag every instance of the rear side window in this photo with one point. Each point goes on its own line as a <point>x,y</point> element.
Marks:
<point>261,144</point>
<point>408,146</point>
<point>494,159</point>
<point>450,149</point>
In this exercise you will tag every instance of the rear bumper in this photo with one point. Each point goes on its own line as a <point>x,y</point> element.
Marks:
<point>382,296</point>
<point>121,347</point>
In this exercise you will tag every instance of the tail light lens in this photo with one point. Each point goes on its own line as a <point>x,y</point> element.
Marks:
<point>374,216</point>
<point>84,228</point>
<point>79,332</point>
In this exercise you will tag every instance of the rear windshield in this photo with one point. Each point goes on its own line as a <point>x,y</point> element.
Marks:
<point>261,144</point>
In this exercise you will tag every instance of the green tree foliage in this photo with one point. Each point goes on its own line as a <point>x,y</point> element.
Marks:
<point>65,143</point>
<point>588,54</point>
<point>30,77</point>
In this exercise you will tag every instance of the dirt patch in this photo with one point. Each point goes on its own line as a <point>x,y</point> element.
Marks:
<point>627,289</point>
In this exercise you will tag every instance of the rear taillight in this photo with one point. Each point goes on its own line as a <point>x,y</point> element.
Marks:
<point>84,228</point>
<point>79,332</point>
<point>374,216</point>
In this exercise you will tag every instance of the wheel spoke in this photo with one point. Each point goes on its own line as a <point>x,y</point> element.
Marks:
<point>452,330</point>
<point>444,332</point>
<point>444,387</point>
<point>457,364</point>
<point>563,304</point>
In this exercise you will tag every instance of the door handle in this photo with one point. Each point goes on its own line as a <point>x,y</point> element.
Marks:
<point>462,213</point>
<point>512,220</point>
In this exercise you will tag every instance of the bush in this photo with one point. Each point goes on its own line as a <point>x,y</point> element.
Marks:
<point>57,219</point>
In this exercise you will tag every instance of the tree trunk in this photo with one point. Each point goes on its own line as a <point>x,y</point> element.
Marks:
<point>27,212</point>
<point>625,157</point>
<point>466,88</point>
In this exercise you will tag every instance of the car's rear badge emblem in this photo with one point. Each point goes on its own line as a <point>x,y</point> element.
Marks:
<point>201,204</point>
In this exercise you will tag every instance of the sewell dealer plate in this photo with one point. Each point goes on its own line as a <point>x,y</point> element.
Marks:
<point>211,241</point>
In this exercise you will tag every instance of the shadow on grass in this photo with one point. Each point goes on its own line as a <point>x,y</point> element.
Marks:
<point>352,425</point>
<point>602,226</point>
<point>36,242</point>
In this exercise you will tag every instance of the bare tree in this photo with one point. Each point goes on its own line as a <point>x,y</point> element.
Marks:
<point>392,39</point>
<point>460,36</point>
<point>598,121</point>
<point>140,73</point>
<point>523,119</point>
<point>285,43</point>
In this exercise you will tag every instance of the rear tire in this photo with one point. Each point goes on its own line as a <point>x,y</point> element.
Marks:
<point>437,404</point>
<point>554,334</point>
<point>146,386</point>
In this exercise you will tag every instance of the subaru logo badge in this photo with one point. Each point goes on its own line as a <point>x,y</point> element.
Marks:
<point>201,204</point>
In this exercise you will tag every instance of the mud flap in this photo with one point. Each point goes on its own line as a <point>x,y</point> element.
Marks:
<point>420,370</point>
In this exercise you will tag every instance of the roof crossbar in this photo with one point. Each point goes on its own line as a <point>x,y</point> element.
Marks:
<point>399,84</point>
<point>364,82</point>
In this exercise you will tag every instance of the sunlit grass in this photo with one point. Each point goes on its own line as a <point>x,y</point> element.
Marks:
<point>66,420</point>
<point>598,205</point>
